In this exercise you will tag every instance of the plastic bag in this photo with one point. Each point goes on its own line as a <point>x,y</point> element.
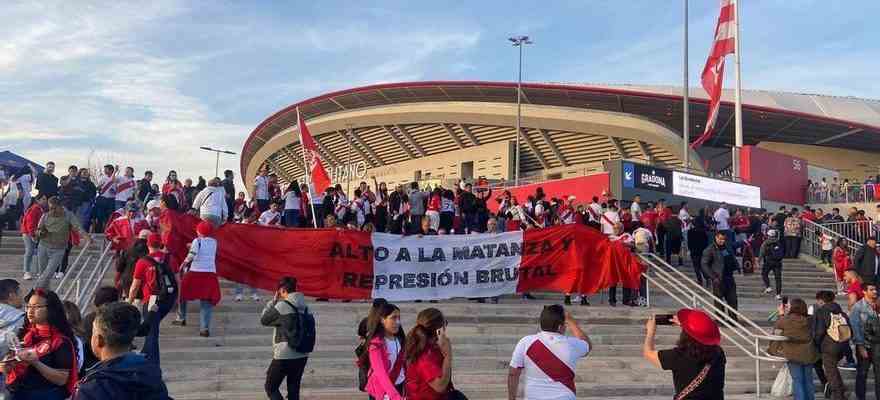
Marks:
<point>782,385</point>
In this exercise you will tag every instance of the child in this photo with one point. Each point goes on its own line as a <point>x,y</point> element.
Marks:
<point>827,246</point>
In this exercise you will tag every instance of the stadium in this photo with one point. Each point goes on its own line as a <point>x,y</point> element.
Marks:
<point>445,131</point>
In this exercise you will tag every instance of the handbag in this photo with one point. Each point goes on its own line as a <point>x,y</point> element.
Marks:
<point>698,380</point>
<point>456,394</point>
<point>782,386</point>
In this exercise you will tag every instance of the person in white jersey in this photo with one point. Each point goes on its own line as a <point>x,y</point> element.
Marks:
<point>544,363</point>
<point>609,219</point>
<point>635,208</point>
<point>200,278</point>
<point>722,223</point>
<point>261,190</point>
<point>125,186</point>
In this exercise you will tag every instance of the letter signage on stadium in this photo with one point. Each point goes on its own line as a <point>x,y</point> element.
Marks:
<point>715,190</point>
<point>357,170</point>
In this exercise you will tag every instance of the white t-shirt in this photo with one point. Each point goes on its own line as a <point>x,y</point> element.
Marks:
<point>685,218</point>
<point>27,185</point>
<point>110,183</point>
<point>124,188</point>
<point>261,187</point>
<point>721,216</point>
<point>268,216</point>
<point>636,210</point>
<point>608,227</point>
<point>596,215</point>
<point>292,201</point>
<point>204,252</point>
<point>535,383</point>
<point>393,348</point>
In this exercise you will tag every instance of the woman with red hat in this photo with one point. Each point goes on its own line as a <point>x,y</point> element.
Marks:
<point>697,361</point>
<point>200,279</point>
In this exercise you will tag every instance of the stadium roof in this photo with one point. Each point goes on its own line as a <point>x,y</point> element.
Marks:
<point>767,116</point>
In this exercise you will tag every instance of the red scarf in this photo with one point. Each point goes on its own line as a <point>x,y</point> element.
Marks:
<point>44,340</point>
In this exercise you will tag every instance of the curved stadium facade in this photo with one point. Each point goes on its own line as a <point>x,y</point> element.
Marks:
<point>428,131</point>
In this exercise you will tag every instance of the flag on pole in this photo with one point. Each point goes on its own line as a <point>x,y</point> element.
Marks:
<point>311,157</point>
<point>713,71</point>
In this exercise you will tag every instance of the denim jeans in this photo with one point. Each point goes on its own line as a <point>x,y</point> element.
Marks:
<point>802,381</point>
<point>151,342</point>
<point>239,289</point>
<point>205,310</point>
<point>84,212</point>
<point>291,218</point>
<point>30,251</point>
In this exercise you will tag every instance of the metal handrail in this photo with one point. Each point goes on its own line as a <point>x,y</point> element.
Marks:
<point>92,285</point>
<point>814,241</point>
<point>740,336</point>
<point>69,289</point>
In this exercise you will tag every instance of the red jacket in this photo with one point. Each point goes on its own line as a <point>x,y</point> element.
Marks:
<point>31,219</point>
<point>126,232</point>
<point>649,220</point>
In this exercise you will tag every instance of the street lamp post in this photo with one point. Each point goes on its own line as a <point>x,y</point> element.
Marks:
<point>518,41</point>
<point>217,163</point>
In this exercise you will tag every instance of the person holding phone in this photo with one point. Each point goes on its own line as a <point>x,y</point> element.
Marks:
<point>45,367</point>
<point>798,349</point>
<point>697,361</point>
<point>548,354</point>
<point>429,358</point>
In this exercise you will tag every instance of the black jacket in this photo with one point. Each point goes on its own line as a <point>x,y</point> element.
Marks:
<point>47,185</point>
<point>126,377</point>
<point>865,262</point>
<point>822,320</point>
<point>468,203</point>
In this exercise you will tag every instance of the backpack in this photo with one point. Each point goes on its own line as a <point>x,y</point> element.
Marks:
<point>872,329</point>
<point>775,253</point>
<point>839,329</point>
<point>166,288</point>
<point>299,328</point>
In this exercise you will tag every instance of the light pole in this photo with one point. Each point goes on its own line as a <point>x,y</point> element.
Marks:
<point>217,163</point>
<point>518,41</point>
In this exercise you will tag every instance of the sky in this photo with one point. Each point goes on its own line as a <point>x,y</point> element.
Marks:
<point>146,83</point>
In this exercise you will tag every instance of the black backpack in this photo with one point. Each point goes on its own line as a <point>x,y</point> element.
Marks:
<point>299,327</point>
<point>166,288</point>
<point>775,252</point>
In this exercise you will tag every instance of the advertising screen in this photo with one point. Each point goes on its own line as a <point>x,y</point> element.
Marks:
<point>716,190</point>
<point>638,176</point>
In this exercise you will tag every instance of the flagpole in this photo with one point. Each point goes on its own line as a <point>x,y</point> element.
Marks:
<point>738,96</point>
<point>308,172</point>
<point>685,94</point>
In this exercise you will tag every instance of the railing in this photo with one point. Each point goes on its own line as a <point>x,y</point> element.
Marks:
<point>83,278</point>
<point>855,230</point>
<point>811,243</point>
<point>742,332</point>
<point>844,193</point>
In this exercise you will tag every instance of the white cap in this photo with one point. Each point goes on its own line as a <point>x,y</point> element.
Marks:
<point>144,233</point>
<point>152,204</point>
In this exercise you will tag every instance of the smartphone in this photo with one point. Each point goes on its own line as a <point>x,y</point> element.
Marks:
<point>663,319</point>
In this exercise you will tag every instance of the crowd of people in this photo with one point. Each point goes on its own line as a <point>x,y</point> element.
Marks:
<point>151,283</point>
<point>845,191</point>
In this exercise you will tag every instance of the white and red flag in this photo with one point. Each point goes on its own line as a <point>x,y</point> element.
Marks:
<point>311,157</point>
<point>713,71</point>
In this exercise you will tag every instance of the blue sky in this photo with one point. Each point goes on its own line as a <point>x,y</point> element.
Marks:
<point>145,85</point>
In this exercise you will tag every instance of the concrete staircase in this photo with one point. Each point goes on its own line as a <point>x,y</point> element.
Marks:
<point>231,364</point>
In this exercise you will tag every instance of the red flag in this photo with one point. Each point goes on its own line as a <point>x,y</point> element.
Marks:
<point>319,177</point>
<point>713,71</point>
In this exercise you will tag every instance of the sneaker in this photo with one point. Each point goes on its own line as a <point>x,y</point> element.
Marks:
<point>255,297</point>
<point>238,297</point>
<point>767,290</point>
<point>27,276</point>
<point>179,322</point>
<point>778,297</point>
<point>584,301</point>
<point>204,333</point>
<point>59,275</point>
<point>643,302</point>
<point>827,391</point>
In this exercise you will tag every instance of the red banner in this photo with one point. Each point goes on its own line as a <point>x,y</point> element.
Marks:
<point>339,264</point>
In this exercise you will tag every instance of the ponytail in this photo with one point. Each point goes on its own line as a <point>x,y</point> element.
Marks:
<point>417,340</point>
<point>425,332</point>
